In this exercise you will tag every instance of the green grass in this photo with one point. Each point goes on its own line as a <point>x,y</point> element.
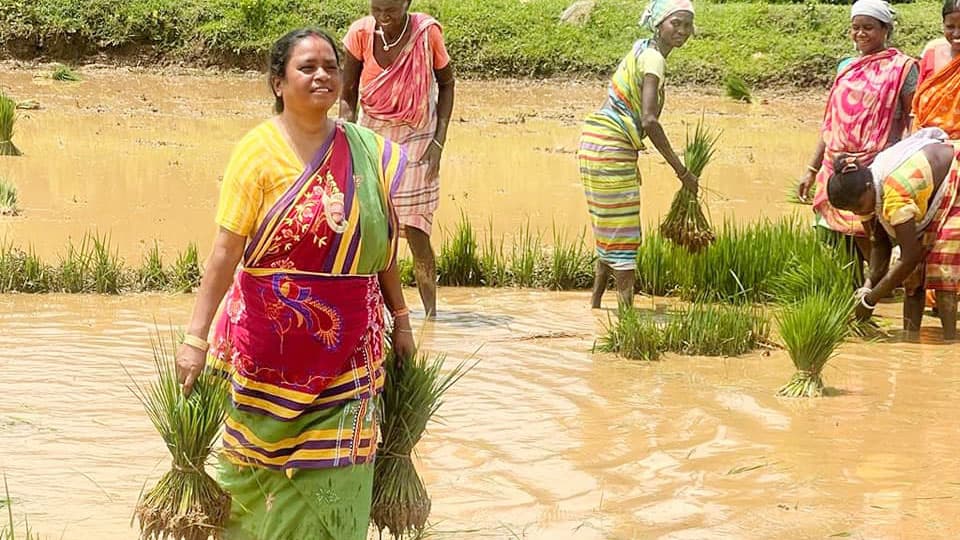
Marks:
<point>526,253</point>
<point>737,89</point>
<point>152,276</point>
<point>762,43</point>
<point>93,266</point>
<point>8,198</point>
<point>571,263</point>
<point>699,329</point>
<point>457,263</point>
<point>65,74</point>
<point>185,274</point>
<point>8,118</point>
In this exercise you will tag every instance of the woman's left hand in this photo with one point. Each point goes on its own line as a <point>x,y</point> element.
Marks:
<point>432,159</point>
<point>403,345</point>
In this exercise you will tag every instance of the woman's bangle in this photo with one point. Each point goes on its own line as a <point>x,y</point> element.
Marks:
<point>402,312</point>
<point>403,330</point>
<point>813,169</point>
<point>195,342</point>
<point>436,142</point>
<point>863,302</point>
<point>683,172</point>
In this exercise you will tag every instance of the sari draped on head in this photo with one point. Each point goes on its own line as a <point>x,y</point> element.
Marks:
<point>858,121</point>
<point>300,338</point>
<point>937,101</point>
<point>400,104</point>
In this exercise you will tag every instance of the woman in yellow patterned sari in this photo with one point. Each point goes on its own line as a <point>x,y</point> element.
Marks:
<point>305,210</point>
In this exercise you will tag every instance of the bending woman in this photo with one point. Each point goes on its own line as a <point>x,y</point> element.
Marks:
<point>305,209</point>
<point>398,68</point>
<point>867,111</point>
<point>612,138</point>
<point>909,195</point>
<point>937,103</point>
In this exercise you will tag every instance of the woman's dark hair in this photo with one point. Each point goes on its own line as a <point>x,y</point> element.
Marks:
<point>950,6</point>
<point>280,55</point>
<point>848,183</point>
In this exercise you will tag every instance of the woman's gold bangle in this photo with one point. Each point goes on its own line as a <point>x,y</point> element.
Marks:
<point>813,169</point>
<point>402,312</point>
<point>195,342</point>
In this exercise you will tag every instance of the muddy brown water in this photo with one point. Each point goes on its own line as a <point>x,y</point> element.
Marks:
<point>543,439</point>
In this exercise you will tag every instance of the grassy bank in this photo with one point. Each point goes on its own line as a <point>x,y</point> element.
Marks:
<point>764,44</point>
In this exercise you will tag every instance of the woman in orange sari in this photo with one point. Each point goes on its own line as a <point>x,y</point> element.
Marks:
<point>305,211</point>
<point>937,102</point>
<point>867,111</point>
<point>398,68</point>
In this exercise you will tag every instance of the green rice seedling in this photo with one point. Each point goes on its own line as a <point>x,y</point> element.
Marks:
<point>658,266</point>
<point>35,276</point>
<point>186,504</point>
<point>8,117</point>
<point>74,274</point>
<point>405,269</point>
<point>106,267</point>
<point>9,530</point>
<point>686,224</point>
<point>737,89</point>
<point>152,276</point>
<point>526,255</point>
<point>822,271</point>
<point>633,335</point>
<point>65,74</point>
<point>715,330</point>
<point>412,394</point>
<point>811,330</point>
<point>793,193</point>
<point>8,198</point>
<point>458,263</point>
<point>571,265</point>
<point>493,263</point>
<point>185,274</point>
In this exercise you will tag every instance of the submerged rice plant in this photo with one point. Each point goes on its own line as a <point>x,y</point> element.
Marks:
<point>458,263</point>
<point>74,274</point>
<point>526,254</point>
<point>65,74</point>
<point>493,262</point>
<point>634,335</point>
<point>106,267</point>
<point>405,269</point>
<point>715,330</point>
<point>186,504</point>
<point>8,198</point>
<point>658,266</point>
<point>737,89</point>
<point>412,394</point>
<point>571,265</point>
<point>152,276</point>
<point>8,117</point>
<point>185,274</point>
<point>811,330</point>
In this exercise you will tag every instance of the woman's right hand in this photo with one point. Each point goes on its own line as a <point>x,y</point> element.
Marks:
<point>690,181</point>
<point>190,364</point>
<point>806,182</point>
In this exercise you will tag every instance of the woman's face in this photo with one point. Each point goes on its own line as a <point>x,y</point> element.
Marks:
<point>951,31</point>
<point>389,14</point>
<point>676,29</point>
<point>868,34</point>
<point>866,204</point>
<point>312,79</point>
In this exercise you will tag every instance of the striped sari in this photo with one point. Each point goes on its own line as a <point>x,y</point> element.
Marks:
<point>858,121</point>
<point>609,146</point>
<point>300,337</point>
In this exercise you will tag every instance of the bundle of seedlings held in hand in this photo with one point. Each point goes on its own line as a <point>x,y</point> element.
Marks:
<point>186,504</point>
<point>686,225</point>
<point>812,329</point>
<point>412,394</point>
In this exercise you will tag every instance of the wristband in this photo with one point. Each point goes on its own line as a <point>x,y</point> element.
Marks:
<point>195,342</point>
<point>863,302</point>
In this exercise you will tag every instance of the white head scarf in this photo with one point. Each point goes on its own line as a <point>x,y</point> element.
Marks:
<point>878,9</point>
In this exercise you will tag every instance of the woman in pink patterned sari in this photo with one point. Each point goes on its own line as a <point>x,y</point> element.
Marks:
<point>398,69</point>
<point>867,111</point>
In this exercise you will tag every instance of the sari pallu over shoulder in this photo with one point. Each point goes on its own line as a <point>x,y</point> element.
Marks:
<point>308,297</point>
<point>858,121</point>
<point>403,92</point>
<point>937,101</point>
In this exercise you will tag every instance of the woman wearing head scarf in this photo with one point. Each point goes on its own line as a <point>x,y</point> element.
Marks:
<point>910,195</point>
<point>613,136</point>
<point>937,103</point>
<point>868,110</point>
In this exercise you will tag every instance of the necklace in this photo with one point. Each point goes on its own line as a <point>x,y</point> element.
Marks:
<point>383,37</point>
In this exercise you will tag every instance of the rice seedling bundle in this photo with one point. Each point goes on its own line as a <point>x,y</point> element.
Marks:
<point>187,503</point>
<point>525,257</point>
<point>152,276</point>
<point>571,265</point>
<point>811,330</point>
<point>458,264</point>
<point>659,266</point>
<point>634,335</point>
<point>493,262</point>
<point>686,224</point>
<point>715,330</point>
<point>737,89</point>
<point>64,74</point>
<point>8,117</point>
<point>8,198</point>
<point>412,394</point>
<point>185,274</point>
